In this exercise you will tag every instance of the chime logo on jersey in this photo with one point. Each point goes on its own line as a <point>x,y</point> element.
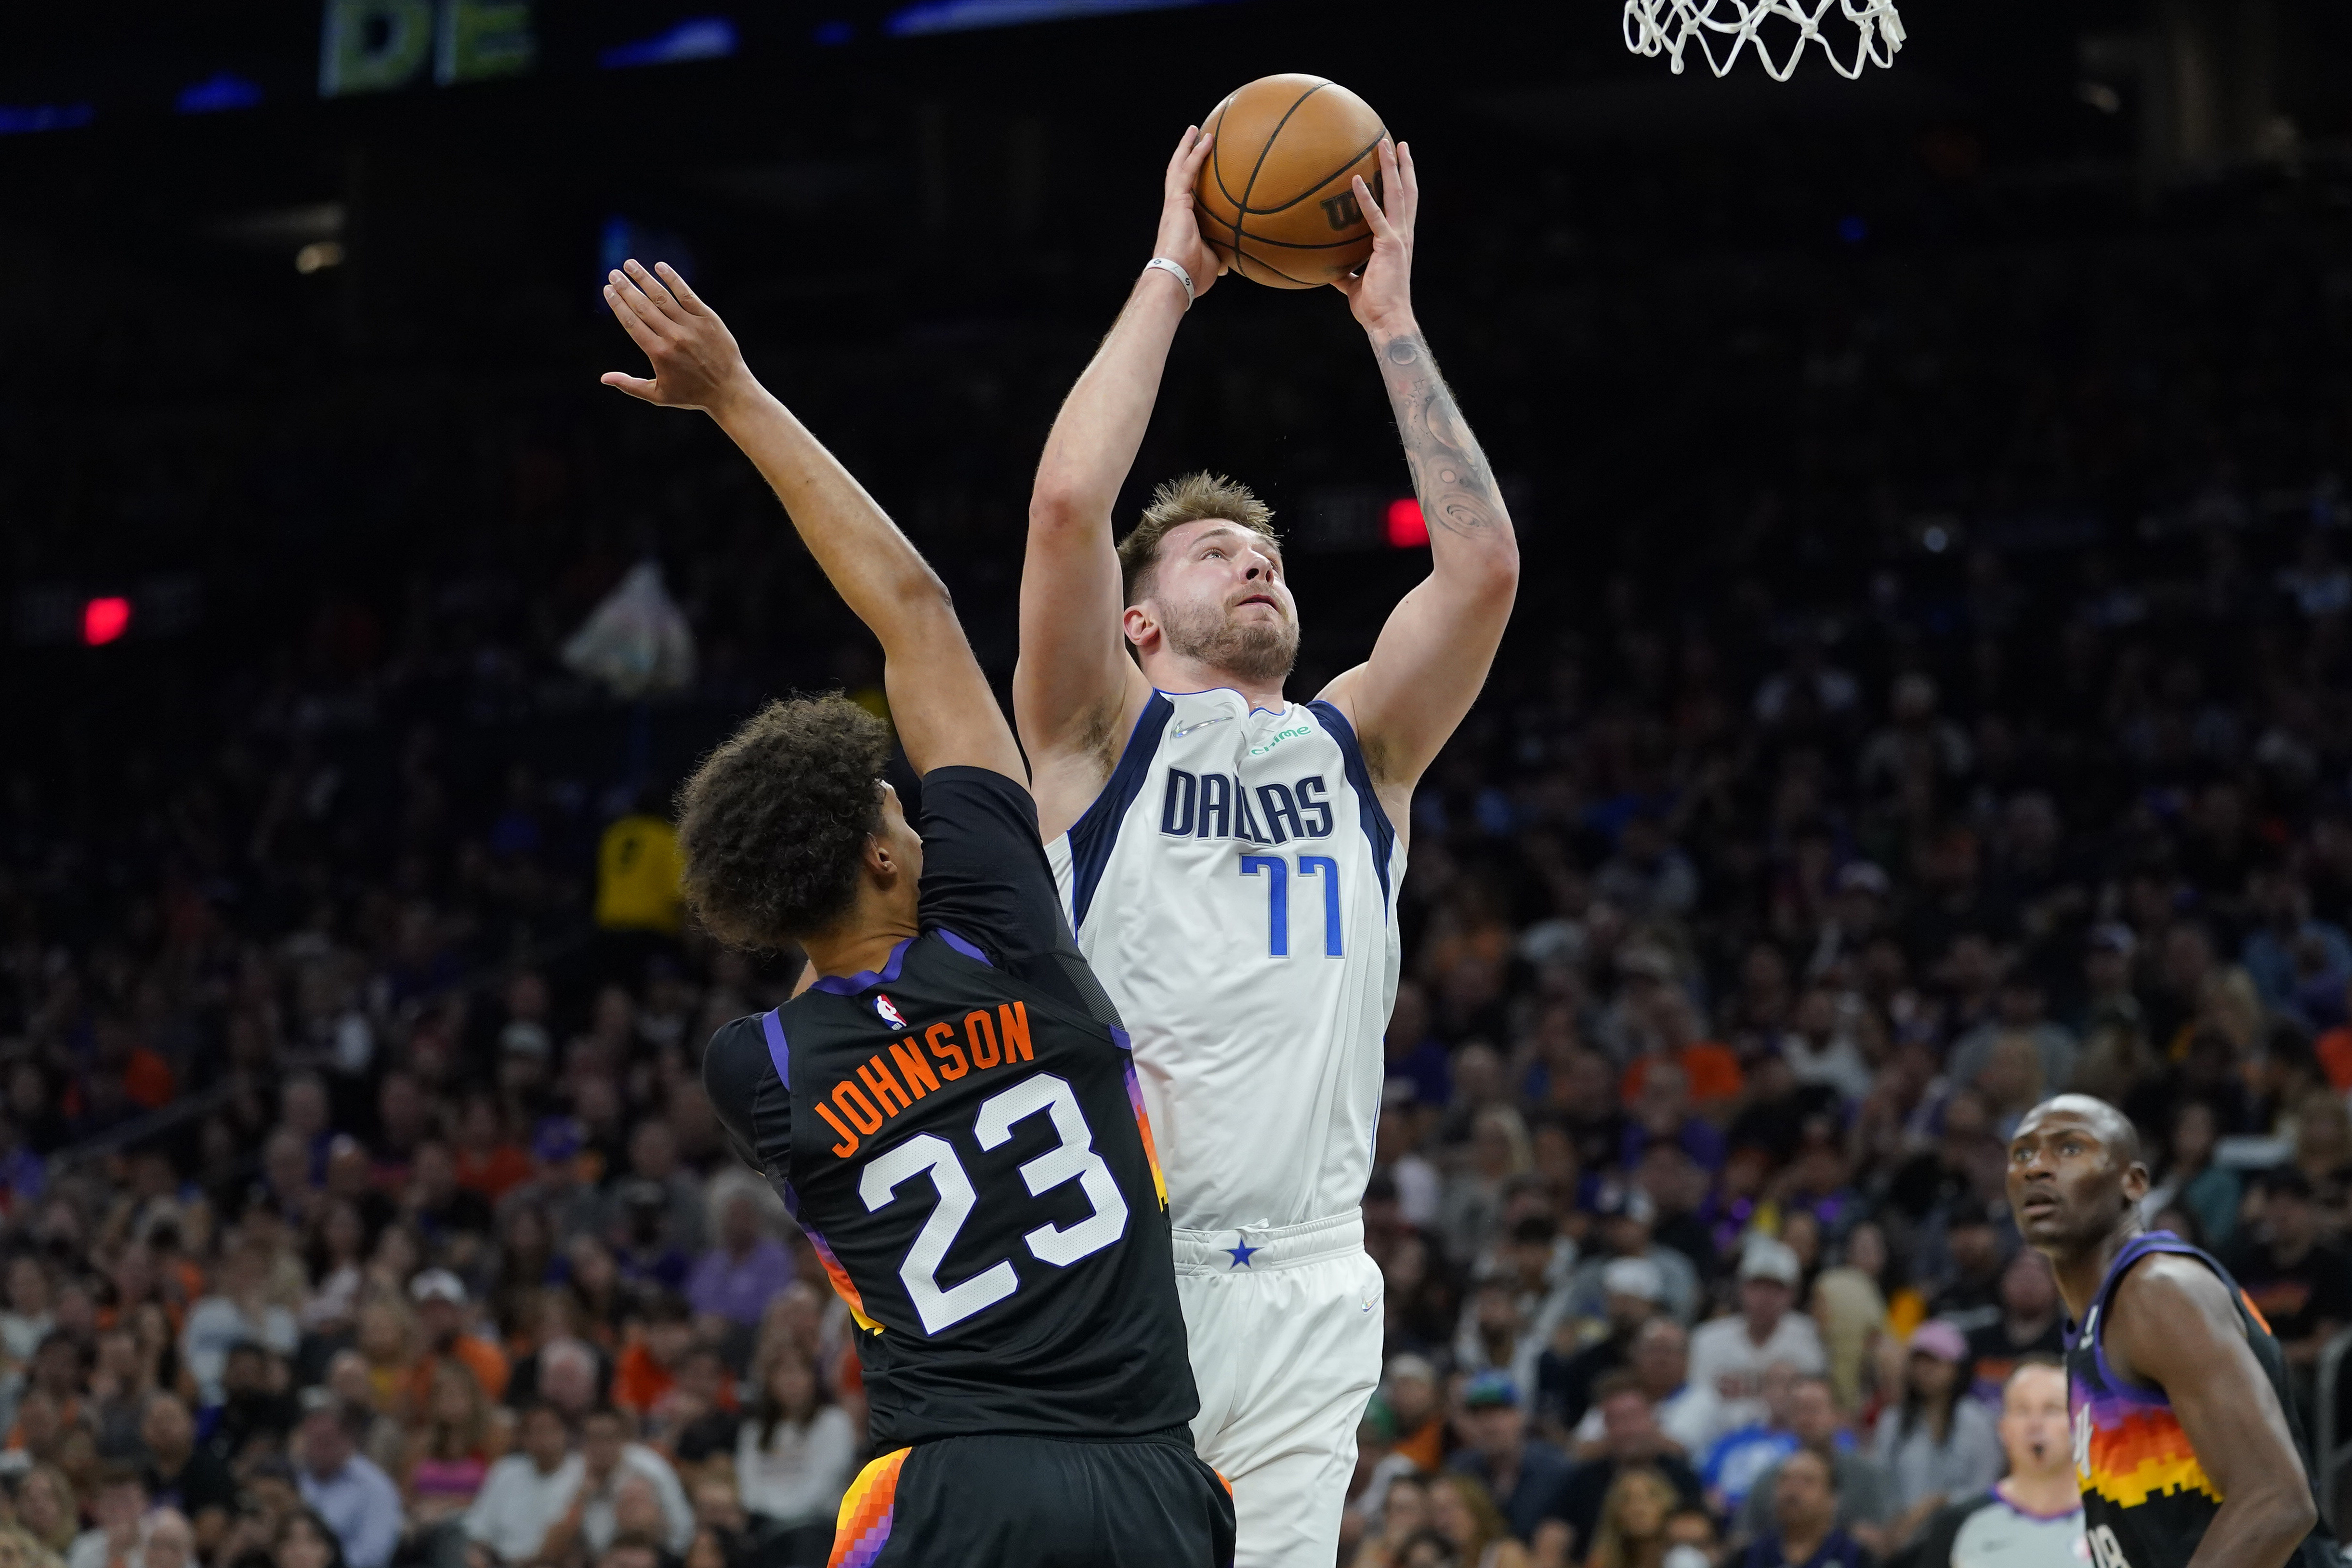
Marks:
<point>890,1014</point>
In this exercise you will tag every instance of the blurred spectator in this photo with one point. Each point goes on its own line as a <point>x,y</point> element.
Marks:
<point>625,1487</point>
<point>1690,1414</point>
<point>343,1487</point>
<point>1804,1532</point>
<point>441,1315</point>
<point>184,1477</point>
<point>1731,1353</point>
<point>1465,1516</point>
<point>526,1493</point>
<point>2299,1281</point>
<point>446,1462</point>
<point>1632,1288</point>
<point>1935,1443</point>
<point>1632,1529</point>
<point>795,1453</point>
<point>1520,1473</point>
<point>48,1510</point>
<point>2030,1325</point>
<point>1630,1439</point>
<point>1865,1492</point>
<point>305,1539</point>
<point>119,1500</point>
<point>734,1281</point>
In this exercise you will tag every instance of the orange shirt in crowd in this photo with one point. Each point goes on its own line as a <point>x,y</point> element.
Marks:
<point>640,1381</point>
<point>483,1359</point>
<point>493,1172</point>
<point>147,1079</point>
<point>1426,1448</point>
<point>2335,1050</point>
<point>1711,1069</point>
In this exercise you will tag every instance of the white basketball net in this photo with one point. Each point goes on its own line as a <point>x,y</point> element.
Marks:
<point>1654,27</point>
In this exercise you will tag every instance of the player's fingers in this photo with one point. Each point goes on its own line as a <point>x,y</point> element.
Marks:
<point>655,289</point>
<point>635,385</point>
<point>685,296</point>
<point>620,285</point>
<point>632,322</point>
<point>1381,227</point>
<point>1347,284</point>
<point>1183,150</point>
<point>1406,202</point>
<point>1198,155</point>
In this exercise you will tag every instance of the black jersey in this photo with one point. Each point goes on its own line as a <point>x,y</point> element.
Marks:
<point>2146,1501</point>
<point>961,1137</point>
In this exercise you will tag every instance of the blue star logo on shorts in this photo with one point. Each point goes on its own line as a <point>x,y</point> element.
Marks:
<point>1241,1252</point>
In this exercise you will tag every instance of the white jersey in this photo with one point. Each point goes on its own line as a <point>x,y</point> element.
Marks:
<point>1234,888</point>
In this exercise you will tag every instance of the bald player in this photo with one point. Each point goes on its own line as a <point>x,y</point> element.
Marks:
<point>2186,1446</point>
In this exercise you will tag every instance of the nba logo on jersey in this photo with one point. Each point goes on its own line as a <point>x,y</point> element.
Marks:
<point>890,1014</point>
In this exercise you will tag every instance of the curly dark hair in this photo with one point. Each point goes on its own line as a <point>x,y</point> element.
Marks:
<point>772,823</point>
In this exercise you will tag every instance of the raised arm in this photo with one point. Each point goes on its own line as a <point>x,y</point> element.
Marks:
<point>940,702</point>
<point>1434,654</point>
<point>1074,679</point>
<point>2182,1333</point>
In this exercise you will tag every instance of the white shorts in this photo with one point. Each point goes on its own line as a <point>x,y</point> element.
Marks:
<point>1286,1329</point>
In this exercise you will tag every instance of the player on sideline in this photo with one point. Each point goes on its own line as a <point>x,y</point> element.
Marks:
<point>1231,858</point>
<point>2032,1517</point>
<point>2186,1447</point>
<point>949,1107</point>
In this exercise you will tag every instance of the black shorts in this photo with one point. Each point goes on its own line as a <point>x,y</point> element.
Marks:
<point>1043,1502</point>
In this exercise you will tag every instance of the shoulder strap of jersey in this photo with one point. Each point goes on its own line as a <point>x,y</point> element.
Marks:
<point>1092,836</point>
<point>2147,1244</point>
<point>1377,826</point>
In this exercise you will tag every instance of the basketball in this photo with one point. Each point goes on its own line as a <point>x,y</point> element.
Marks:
<point>1276,198</point>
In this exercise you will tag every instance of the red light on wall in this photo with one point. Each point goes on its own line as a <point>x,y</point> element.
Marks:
<point>1407,528</point>
<point>103,620</point>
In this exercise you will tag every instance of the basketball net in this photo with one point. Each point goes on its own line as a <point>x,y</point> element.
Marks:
<point>1654,27</point>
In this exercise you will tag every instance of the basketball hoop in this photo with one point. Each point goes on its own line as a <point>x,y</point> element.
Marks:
<point>1654,27</point>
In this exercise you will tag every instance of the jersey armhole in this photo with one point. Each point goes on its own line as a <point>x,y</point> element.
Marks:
<point>1096,828</point>
<point>1376,824</point>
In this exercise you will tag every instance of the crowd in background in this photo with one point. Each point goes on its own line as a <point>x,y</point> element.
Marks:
<point>359,1203</point>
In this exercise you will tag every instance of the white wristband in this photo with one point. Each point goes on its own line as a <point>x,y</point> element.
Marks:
<point>1176,272</point>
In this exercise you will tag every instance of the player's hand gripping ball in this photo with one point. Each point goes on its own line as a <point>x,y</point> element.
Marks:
<point>1276,199</point>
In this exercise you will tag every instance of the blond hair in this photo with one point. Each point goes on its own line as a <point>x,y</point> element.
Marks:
<point>1192,498</point>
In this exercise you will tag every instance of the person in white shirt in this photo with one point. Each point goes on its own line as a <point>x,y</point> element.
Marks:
<point>1731,1354</point>
<point>1689,1412</point>
<point>611,1464</point>
<point>525,1493</point>
<point>795,1453</point>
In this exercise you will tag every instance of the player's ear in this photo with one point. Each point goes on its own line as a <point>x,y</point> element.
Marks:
<point>1142,629</point>
<point>2136,1183</point>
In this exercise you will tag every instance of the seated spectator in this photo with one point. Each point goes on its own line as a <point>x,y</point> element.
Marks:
<point>1404,1515</point>
<point>26,1323</point>
<point>442,1320</point>
<point>1632,1529</point>
<point>304,1540</point>
<point>1460,1510</point>
<point>1521,1475</point>
<point>1741,1456</point>
<point>48,1510</point>
<point>2030,1325</point>
<point>1935,1443</point>
<point>2298,1280</point>
<point>119,1501</point>
<point>56,1373</point>
<point>255,1409</point>
<point>166,1540</point>
<point>1690,1414</point>
<point>238,1310</point>
<point>648,1367</point>
<point>697,1419</point>
<point>1631,1291</point>
<point>796,1454</point>
<point>606,1502</point>
<point>183,1476</point>
<point>1412,1392</point>
<point>1630,1439</point>
<point>447,1462</point>
<point>647,1256</point>
<point>1866,1494</point>
<point>526,1492</point>
<point>1805,1532</point>
<point>1731,1353</point>
<point>342,1486</point>
<point>1628,1230</point>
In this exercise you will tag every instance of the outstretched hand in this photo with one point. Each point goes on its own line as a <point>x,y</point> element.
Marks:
<point>1180,224</point>
<point>696,362</point>
<point>1381,294</point>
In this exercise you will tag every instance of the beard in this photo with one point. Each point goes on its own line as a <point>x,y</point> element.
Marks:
<point>1260,652</point>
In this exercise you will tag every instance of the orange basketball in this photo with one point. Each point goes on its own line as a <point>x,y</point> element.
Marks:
<point>1276,199</point>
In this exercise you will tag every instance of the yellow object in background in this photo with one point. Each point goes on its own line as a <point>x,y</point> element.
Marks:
<point>637,875</point>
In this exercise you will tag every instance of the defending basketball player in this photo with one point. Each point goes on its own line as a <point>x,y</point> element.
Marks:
<point>1231,858</point>
<point>2187,1449</point>
<point>950,1110</point>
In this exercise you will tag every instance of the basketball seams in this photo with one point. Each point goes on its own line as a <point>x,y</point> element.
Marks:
<point>1325,183</point>
<point>1265,151</point>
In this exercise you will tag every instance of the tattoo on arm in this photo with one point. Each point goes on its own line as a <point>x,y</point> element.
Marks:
<point>1449,472</point>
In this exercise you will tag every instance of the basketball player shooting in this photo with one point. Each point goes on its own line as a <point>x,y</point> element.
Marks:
<point>1231,858</point>
<point>2187,1449</point>
<point>950,1109</point>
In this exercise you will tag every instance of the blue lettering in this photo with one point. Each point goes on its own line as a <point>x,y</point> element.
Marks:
<point>1216,804</point>
<point>1176,812</point>
<point>1317,809</point>
<point>1281,816</point>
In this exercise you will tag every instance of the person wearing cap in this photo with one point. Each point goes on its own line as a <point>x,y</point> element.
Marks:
<point>1522,1473</point>
<point>346,1487</point>
<point>1935,1442</point>
<point>1628,1215</point>
<point>1631,1290</point>
<point>573,1208</point>
<point>1731,1353</point>
<point>441,1314</point>
<point>1409,1387</point>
